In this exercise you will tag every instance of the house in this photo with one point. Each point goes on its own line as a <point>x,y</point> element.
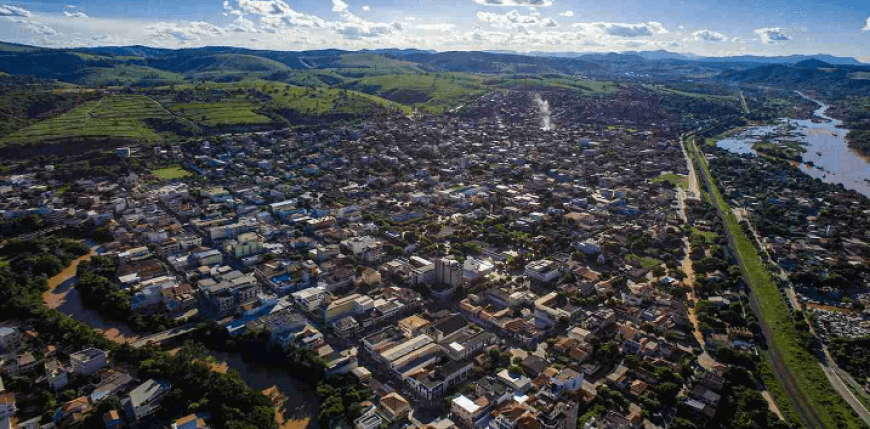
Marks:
<point>515,415</point>
<point>10,339</point>
<point>395,406</point>
<point>73,413</point>
<point>145,399</point>
<point>447,326</point>
<point>190,421</point>
<point>369,419</point>
<point>517,381</point>
<point>566,379</point>
<point>56,375</point>
<point>7,405</point>
<point>468,411</point>
<point>88,361</point>
<point>112,420</point>
<point>412,326</point>
<point>534,365</point>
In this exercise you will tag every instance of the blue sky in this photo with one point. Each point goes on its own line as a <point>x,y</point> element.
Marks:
<point>735,27</point>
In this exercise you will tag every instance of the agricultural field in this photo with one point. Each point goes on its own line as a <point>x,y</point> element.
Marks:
<point>113,116</point>
<point>432,92</point>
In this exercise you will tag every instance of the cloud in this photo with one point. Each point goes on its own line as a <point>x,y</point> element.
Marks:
<point>339,6</point>
<point>621,29</point>
<point>75,14</point>
<point>6,10</point>
<point>277,15</point>
<point>515,3</point>
<point>243,25</point>
<point>356,28</point>
<point>549,23</point>
<point>866,25</point>
<point>69,6</point>
<point>511,19</point>
<point>435,27</point>
<point>769,36</point>
<point>39,29</point>
<point>183,31</point>
<point>366,8</point>
<point>709,36</point>
<point>567,13</point>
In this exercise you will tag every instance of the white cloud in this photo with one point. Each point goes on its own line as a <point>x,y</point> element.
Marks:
<point>277,15</point>
<point>621,29</point>
<point>511,19</point>
<point>709,36</point>
<point>6,10</point>
<point>243,25</point>
<point>769,36</point>
<point>515,3</point>
<point>366,8</point>
<point>567,13</point>
<point>75,14</point>
<point>435,27</point>
<point>339,6</point>
<point>69,6</point>
<point>39,29</point>
<point>549,23</point>
<point>183,31</point>
<point>866,25</point>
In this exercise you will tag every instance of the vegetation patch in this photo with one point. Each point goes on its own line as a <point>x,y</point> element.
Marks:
<point>171,173</point>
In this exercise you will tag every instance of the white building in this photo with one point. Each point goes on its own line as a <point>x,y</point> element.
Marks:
<point>88,361</point>
<point>466,410</point>
<point>543,271</point>
<point>309,299</point>
<point>448,271</point>
<point>145,399</point>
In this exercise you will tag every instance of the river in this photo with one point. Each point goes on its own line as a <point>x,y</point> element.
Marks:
<point>826,147</point>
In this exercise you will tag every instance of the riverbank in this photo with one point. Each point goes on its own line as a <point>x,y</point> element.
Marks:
<point>296,403</point>
<point>63,297</point>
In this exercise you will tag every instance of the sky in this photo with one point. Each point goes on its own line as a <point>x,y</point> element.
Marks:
<point>723,27</point>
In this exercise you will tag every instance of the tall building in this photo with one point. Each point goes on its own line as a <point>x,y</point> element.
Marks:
<point>448,271</point>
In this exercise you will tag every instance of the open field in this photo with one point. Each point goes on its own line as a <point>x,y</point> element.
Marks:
<point>114,116</point>
<point>170,173</point>
<point>674,179</point>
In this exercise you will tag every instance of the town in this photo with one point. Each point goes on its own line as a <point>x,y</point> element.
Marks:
<point>473,270</point>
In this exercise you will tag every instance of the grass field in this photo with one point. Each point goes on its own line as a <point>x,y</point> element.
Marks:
<point>832,410</point>
<point>127,74</point>
<point>709,236</point>
<point>171,173</point>
<point>114,116</point>
<point>724,98</point>
<point>645,261</point>
<point>432,92</point>
<point>673,179</point>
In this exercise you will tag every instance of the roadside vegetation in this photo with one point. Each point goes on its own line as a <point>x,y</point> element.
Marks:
<point>801,364</point>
